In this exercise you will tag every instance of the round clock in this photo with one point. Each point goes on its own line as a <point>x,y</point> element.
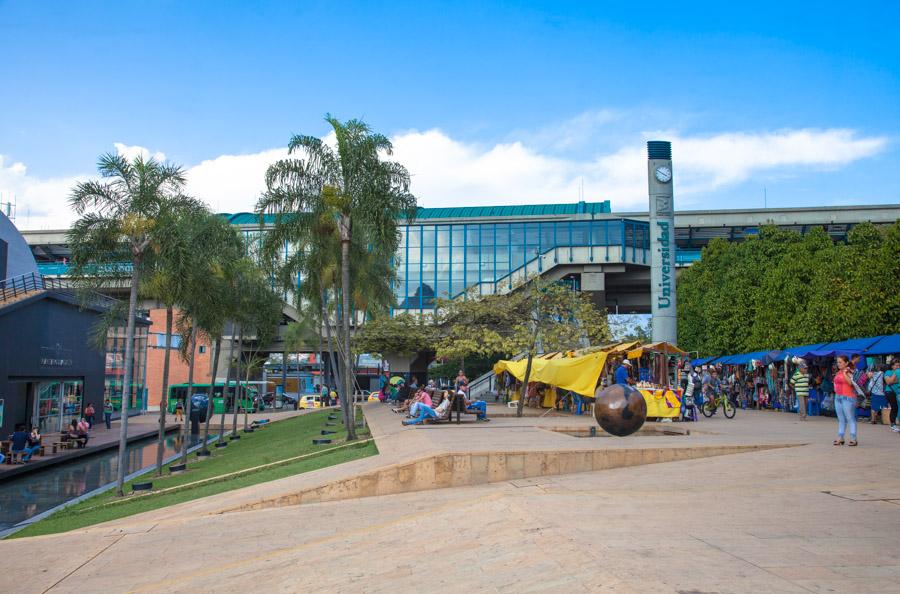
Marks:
<point>663,174</point>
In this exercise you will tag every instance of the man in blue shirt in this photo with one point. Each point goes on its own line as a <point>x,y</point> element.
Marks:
<point>622,373</point>
<point>19,443</point>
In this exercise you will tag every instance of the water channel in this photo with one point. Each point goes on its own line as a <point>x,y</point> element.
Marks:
<point>25,496</point>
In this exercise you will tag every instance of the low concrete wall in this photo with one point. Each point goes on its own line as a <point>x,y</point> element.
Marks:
<point>476,468</point>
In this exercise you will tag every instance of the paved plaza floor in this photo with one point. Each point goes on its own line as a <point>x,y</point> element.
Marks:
<point>805,516</point>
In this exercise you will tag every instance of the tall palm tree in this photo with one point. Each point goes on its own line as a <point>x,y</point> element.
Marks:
<point>119,219</point>
<point>169,283</point>
<point>222,249</point>
<point>366,194</point>
<point>206,302</point>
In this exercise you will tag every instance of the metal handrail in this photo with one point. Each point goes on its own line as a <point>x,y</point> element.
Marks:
<point>33,282</point>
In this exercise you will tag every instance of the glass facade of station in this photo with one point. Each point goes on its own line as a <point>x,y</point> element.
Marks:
<point>136,396</point>
<point>445,260</point>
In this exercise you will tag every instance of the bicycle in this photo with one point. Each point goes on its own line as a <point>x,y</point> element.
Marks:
<point>711,403</point>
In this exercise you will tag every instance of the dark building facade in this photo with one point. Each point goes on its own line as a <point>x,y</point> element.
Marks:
<point>48,371</point>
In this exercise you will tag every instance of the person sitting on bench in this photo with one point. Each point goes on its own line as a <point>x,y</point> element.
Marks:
<point>77,433</point>
<point>476,406</point>
<point>423,411</point>
<point>19,446</point>
<point>34,444</point>
<point>407,405</point>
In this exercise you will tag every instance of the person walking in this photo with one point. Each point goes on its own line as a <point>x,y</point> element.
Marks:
<point>89,414</point>
<point>107,413</point>
<point>892,391</point>
<point>179,412</point>
<point>461,380</point>
<point>800,384</point>
<point>845,401</point>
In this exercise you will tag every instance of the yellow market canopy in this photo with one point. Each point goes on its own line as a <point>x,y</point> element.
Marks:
<point>655,347</point>
<point>579,374</point>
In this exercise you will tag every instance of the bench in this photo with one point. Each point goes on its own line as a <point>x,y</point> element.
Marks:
<point>458,405</point>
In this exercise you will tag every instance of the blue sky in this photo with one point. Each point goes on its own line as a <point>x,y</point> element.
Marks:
<point>499,102</point>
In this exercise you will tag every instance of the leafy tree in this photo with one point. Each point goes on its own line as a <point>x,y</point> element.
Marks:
<point>630,327</point>
<point>362,193</point>
<point>781,289</point>
<point>119,220</point>
<point>404,333</point>
<point>168,283</point>
<point>536,316</point>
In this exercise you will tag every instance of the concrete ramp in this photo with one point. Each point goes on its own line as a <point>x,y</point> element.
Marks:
<point>459,469</point>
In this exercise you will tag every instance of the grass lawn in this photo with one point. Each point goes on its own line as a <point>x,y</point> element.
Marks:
<point>278,441</point>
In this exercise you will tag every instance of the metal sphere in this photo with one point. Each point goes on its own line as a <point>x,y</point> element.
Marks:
<point>620,410</point>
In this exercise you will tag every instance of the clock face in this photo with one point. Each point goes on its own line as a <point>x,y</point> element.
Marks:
<point>663,174</point>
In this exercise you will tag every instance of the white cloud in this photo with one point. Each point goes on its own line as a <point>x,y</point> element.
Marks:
<point>131,152</point>
<point>41,203</point>
<point>450,172</point>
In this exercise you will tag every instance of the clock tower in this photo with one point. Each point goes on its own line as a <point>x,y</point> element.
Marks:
<point>662,241</point>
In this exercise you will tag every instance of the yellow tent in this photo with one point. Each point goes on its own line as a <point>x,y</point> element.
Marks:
<point>655,347</point>
<point>578,374</point>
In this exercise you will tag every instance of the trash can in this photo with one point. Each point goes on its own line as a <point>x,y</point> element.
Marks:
<point>199,406</point>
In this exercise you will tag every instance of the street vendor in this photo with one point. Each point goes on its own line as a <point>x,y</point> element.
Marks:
<point>622,373</point>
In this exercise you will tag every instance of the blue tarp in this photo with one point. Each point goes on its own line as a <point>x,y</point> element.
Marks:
<point>702,361</point>
<point>773,356</point>
<point>885,345</point>
<point>856,345</point>
<point>742,359</point>
<point>873,345</point>
<point>828,353</point>
<point>799,350</point>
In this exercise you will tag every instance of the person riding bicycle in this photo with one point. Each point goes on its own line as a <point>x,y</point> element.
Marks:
<point>712,385</point>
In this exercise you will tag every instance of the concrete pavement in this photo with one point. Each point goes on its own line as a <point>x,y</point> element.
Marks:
<point>806,518</point>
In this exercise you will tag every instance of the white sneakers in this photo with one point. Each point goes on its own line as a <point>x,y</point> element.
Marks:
<point>895,428</point>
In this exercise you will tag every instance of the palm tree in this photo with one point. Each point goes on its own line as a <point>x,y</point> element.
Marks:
<point>222,249</point>
<point>365,194</point>
<point>119,219</point>
<point>206,303</point>
<point>168,283</point>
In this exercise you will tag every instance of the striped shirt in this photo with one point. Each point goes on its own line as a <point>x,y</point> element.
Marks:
<point>800,381</point>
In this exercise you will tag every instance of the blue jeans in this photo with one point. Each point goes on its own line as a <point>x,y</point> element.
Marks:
<point>845,407</point>
<point>107,418</point>
<point>31,451</point>
<point>425,412</point>
<point>481,407</point>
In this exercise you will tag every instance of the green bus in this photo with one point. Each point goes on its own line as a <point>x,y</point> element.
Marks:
<point>249,401</point>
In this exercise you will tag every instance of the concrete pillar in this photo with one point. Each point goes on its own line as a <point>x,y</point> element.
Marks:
<point>662,241</point>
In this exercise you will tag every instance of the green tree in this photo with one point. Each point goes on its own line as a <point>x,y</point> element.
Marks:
<point>535,317</point>
<point>364,194</point>
<point>404,334</point>
<point>782,289</point>
<point>119,218</point>
<point>168,283</point>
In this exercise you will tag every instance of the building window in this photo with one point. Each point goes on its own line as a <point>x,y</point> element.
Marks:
<point>158,340</point>
<point>202,348</point>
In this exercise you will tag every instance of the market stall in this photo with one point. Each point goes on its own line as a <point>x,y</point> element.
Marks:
<point>656,365</point>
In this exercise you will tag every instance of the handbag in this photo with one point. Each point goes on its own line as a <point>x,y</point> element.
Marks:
<point>861,395</point>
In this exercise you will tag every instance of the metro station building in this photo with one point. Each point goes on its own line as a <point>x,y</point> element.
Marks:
<point>49,370</point>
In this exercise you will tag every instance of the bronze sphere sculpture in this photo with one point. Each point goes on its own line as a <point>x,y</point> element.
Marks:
<point>620,410</point>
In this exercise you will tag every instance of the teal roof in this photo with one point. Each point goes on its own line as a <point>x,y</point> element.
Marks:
<point>523,210</point>
<point>246,218</point>
<point>468,212</point>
